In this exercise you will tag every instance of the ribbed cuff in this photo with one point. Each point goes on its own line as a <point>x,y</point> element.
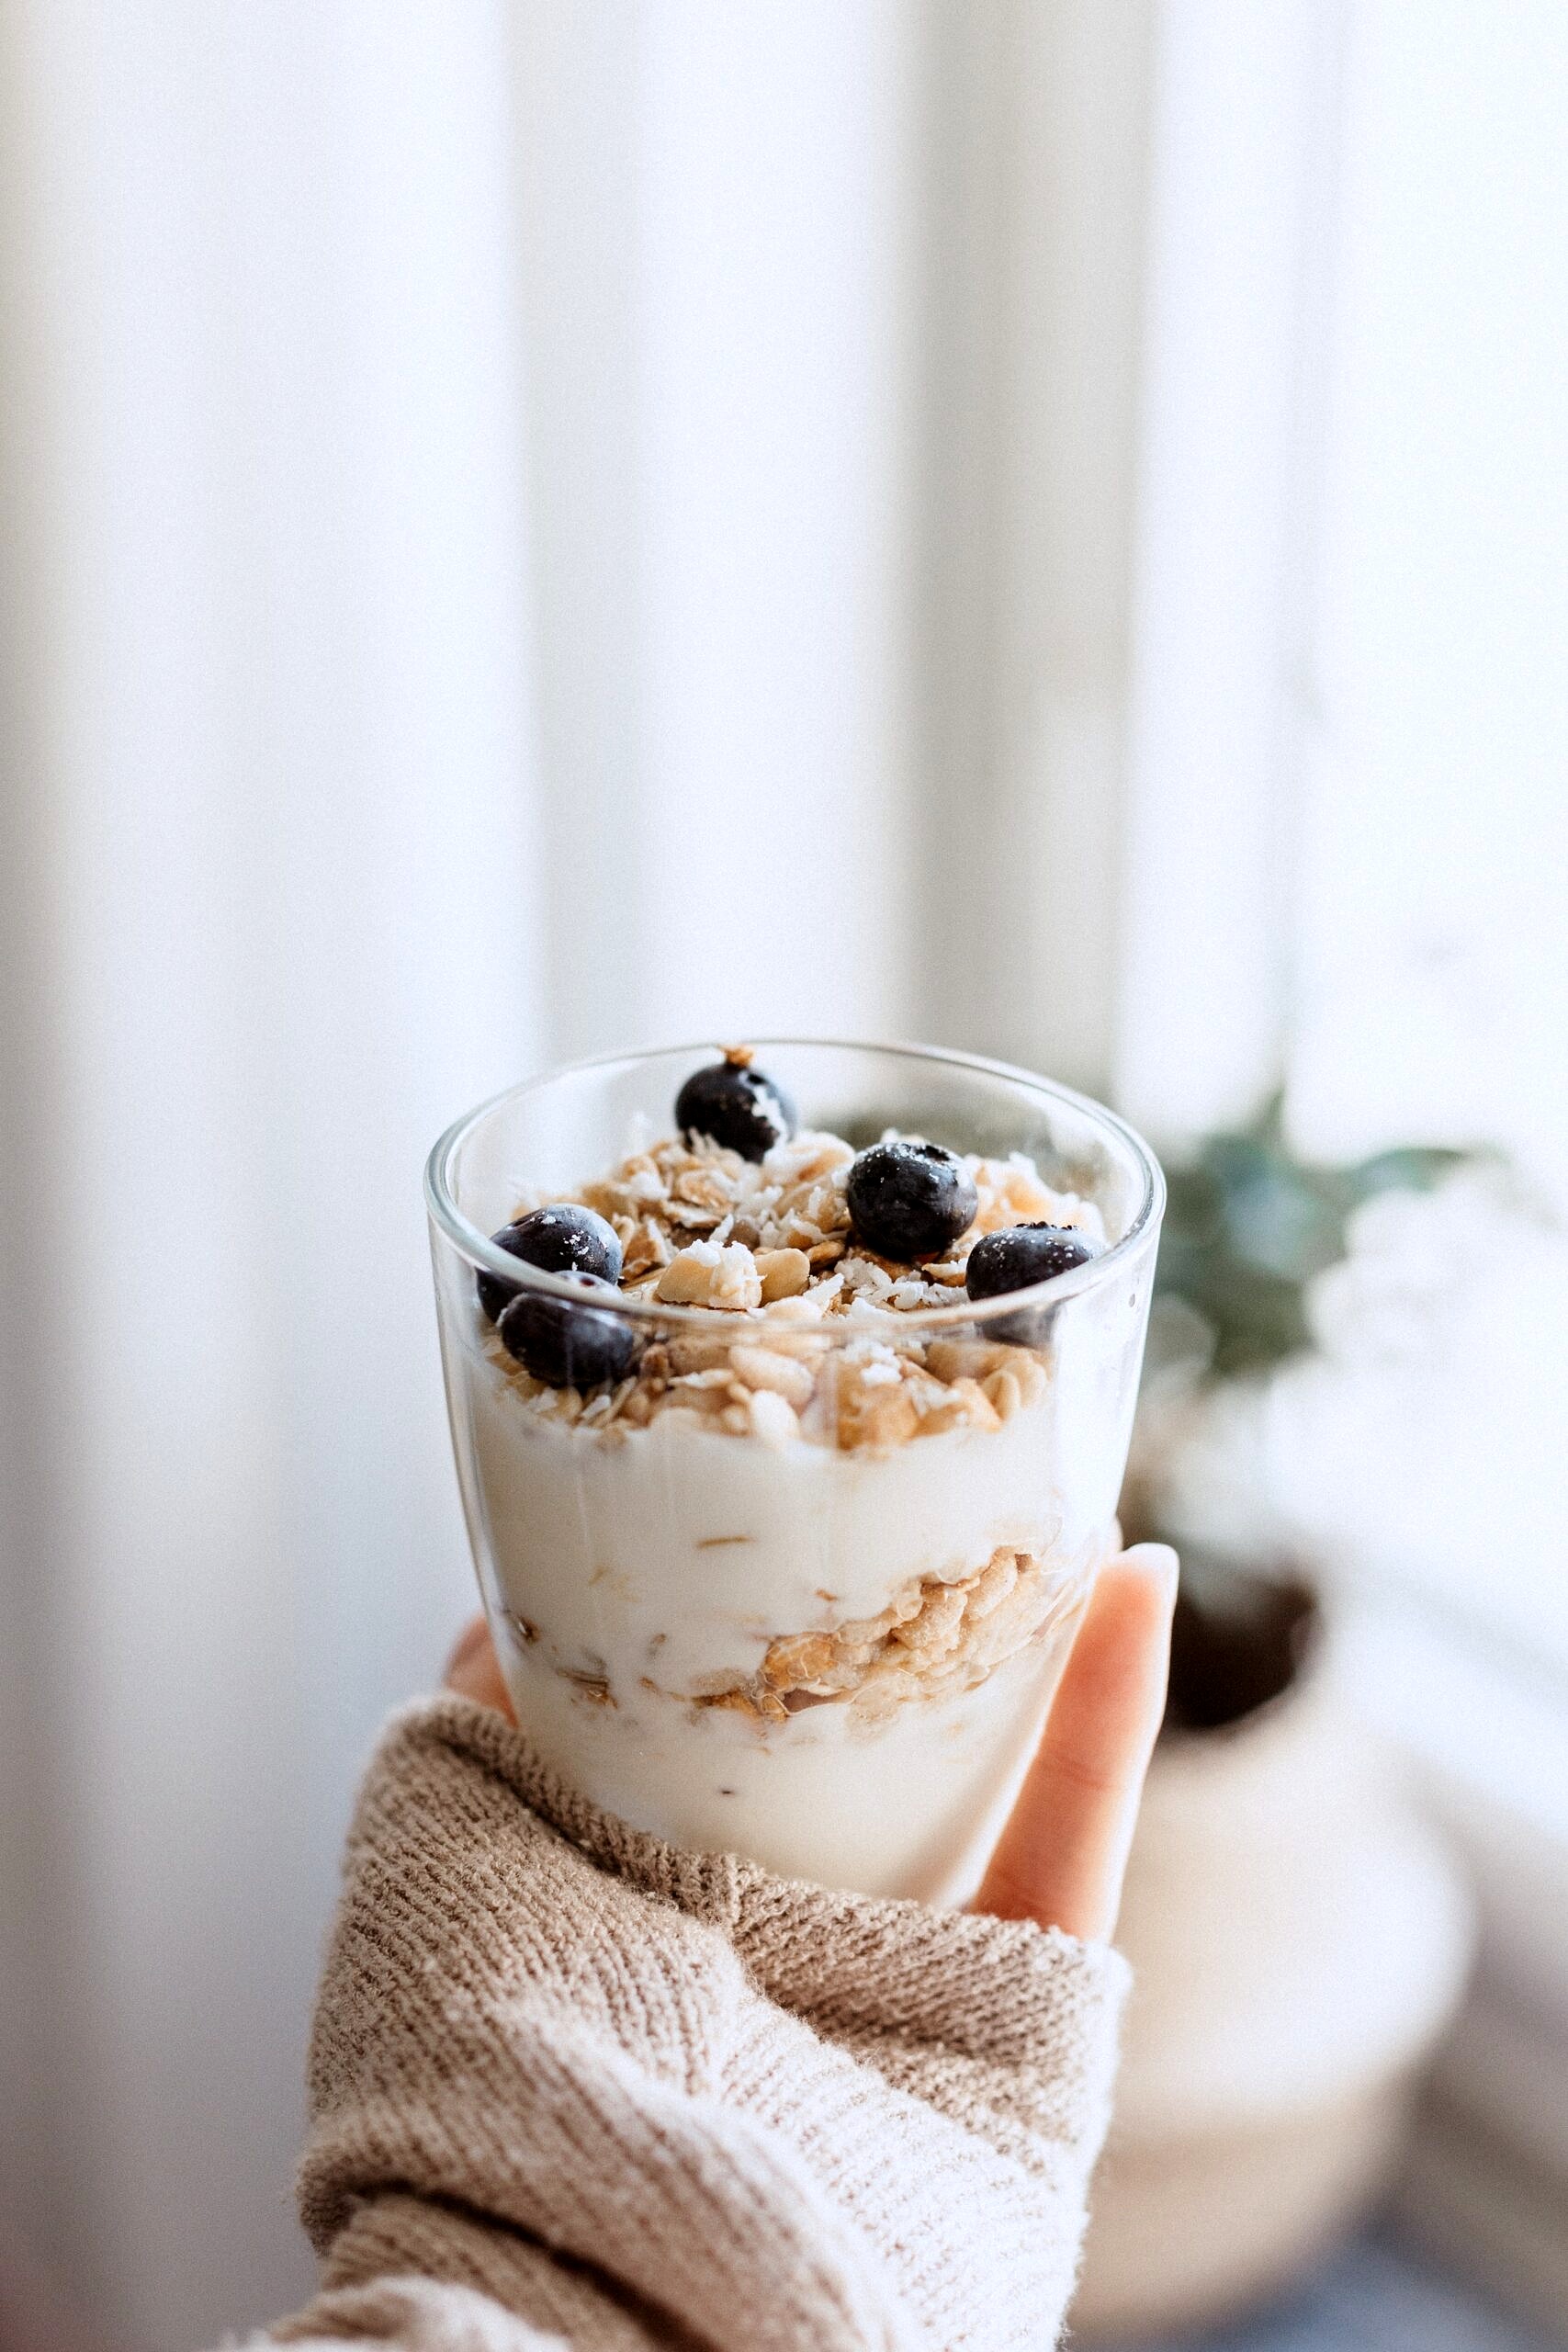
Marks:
<point>1003,1991</point>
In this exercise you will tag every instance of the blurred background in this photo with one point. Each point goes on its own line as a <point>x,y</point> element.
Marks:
<point>531,528</point>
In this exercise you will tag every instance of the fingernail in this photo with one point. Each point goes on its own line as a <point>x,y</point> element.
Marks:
<point>1158,1562</point>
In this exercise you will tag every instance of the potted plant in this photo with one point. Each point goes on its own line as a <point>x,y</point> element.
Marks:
<point>1299,1938</point>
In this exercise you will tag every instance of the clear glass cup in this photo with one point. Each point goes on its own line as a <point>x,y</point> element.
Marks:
<point>797,1587</point>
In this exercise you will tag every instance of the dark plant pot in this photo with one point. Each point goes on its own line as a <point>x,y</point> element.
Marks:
<point>1241,1640</point>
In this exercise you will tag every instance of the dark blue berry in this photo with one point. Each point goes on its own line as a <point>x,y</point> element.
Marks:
<point>911,1200</point>
<point>735,1106</point>
<point>567,1345</point>
<point>564,1239</point>
<point>1016,1259</point>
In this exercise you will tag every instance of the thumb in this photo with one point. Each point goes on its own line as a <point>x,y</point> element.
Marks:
<point>1062,1857</point>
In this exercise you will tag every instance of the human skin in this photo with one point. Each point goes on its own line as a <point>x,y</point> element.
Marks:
<point>1063,1855</point>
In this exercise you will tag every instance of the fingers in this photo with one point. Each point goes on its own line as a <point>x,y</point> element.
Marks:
<point>472,1670</point>
<point>1063,1855</point>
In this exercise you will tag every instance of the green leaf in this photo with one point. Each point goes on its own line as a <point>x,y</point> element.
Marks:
<point>1248,1226</point>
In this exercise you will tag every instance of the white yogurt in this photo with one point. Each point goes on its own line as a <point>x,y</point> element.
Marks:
<point>624,1577</point>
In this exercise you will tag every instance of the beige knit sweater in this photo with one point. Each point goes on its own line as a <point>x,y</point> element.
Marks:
<point>572,2086</point>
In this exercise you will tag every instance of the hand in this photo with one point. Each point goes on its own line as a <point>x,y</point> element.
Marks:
<point>1062,1857</point>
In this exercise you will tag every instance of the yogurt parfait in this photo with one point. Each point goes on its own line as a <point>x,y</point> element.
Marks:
<point>791,1390</point>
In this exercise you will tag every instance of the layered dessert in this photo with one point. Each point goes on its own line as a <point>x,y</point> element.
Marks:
<point>784,1525</point>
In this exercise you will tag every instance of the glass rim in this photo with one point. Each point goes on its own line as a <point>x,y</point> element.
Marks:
<point>483,1255</point>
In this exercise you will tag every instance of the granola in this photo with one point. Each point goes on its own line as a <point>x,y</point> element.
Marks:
<point>934,1639</point>
<point>808,1345</point>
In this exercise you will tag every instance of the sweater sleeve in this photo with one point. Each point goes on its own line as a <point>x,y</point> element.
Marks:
<point>570,2086</point>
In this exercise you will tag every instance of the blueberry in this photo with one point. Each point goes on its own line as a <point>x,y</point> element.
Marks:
<point>911,1200</point>
<point>737,1106</point>
<point>569,1346</point>
<point>1014,1259</point>
<point>563,1239</point>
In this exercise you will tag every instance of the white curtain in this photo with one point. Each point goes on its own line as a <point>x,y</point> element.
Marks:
<point>267,864</point>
